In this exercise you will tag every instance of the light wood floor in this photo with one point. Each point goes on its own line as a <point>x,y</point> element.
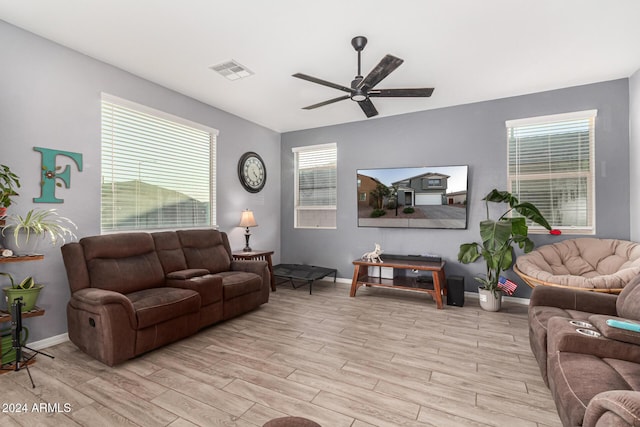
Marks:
<point>384,358</point>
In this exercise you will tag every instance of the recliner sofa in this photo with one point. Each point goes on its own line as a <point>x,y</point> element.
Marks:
<point>134,292</point>
<point>591,368</point>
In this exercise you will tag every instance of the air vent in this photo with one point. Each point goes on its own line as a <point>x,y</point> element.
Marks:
<point>232,70</point>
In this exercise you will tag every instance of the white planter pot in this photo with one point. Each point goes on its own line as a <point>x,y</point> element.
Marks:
<point>488,301</point>
<point>21,246</point>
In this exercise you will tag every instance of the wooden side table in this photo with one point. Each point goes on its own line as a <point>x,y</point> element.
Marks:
<point>260,256</point>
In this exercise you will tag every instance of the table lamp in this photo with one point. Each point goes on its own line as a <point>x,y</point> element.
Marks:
<point>247,220</point>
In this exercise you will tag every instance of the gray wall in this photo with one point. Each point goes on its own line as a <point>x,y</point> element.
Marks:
<point>50,97</point>
<point>472,134</point>
<point>634,154</point>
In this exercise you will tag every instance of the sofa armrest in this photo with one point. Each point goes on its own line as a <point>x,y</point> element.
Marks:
<point>94,299</point>
<point>250,266</point>
<point>187,274</point>
<point>259,267</point>
<point>613,408</point>
<point>613,333</point>
<point>574,299</point>
<point>562,336</point>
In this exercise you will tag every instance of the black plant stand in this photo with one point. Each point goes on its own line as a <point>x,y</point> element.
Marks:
<point>22,360</point>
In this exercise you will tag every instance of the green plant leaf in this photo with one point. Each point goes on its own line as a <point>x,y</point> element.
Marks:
<point>528,210</point>
<point>468,253</point>
<point>519,227</point>
<point>27,283</point>
<point>501,197</point>
<point>495,234</point>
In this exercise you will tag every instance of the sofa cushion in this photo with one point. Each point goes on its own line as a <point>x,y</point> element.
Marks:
<point>205,249</point>
<point>122,263</point>
<point>169,251</point>
<point>238,283</point>
<point>575,379</point>
<point>153,306</point>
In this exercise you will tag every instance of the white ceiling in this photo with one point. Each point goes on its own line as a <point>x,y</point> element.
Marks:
<point>469,50</point>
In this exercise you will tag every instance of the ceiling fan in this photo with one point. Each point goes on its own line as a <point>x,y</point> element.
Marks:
<point>362,88</point>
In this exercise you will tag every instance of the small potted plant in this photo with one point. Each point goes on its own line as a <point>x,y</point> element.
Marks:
<point>9,182</point>
<point>28,290</point>
<point>498,239</point>
<point>23,234</point>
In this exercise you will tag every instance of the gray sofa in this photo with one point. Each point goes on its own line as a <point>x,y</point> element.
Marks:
<point>594,380</point>
<point>134,292</point>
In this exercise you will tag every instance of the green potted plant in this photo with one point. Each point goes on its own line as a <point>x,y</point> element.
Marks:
<point>27,289</point>
<point>24,233</point>
<point>9,182</point>
<point>498,239</point>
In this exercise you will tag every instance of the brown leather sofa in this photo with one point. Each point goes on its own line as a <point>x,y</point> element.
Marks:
<point>594,380</point>
<point>134,292</point>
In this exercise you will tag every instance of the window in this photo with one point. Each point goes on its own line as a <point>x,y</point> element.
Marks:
<point>551,164</point>
<point>158,171</point>
<point>315,186</point>
<point>433,182</point>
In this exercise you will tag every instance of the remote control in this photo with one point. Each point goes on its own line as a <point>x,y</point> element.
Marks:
<point>635,327</point>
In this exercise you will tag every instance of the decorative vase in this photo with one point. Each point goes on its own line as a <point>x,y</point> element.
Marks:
<point>29,297</point>
<point>489,301</point>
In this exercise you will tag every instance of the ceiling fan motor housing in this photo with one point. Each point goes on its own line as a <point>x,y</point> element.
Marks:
<point>358,94</point>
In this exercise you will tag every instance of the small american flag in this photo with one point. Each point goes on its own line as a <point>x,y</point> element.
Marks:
<point>506,285</point>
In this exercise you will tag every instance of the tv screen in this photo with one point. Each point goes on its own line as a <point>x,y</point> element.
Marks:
<point>413,197</point>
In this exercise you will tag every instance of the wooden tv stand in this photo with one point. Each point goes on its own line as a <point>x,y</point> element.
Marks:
<point>436,289</point>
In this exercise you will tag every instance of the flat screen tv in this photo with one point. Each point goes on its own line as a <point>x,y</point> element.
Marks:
<point>413,197</point>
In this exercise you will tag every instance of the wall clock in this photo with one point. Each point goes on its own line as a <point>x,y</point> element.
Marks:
<point>252,172</point>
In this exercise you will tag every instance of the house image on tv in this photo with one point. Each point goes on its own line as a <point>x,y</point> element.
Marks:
<point>421,190</point>
<point>366,185</point>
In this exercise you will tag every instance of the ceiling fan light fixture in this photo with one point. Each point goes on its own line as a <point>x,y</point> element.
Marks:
<point>358,96</point>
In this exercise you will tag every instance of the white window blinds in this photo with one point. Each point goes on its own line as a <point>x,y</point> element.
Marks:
<point>158,171</point>
<point>551,164</point>
<point>315,186</point>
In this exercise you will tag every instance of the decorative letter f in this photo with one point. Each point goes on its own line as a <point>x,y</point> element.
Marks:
<point>50,173</point>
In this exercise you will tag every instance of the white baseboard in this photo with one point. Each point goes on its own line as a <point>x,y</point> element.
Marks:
<point>48,342</point>
<point>515,300</point>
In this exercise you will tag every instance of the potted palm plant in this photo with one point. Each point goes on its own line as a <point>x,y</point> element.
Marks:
<point>24,234</point>
<point>498,239</point>
<point>28,290</point>
<point>9,182</point>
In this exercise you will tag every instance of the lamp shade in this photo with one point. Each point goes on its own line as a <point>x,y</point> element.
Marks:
<point>247,219</point>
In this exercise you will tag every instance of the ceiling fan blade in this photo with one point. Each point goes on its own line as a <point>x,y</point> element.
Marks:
<point>368,108</point>
<point>330,101</point>
<point>321,82</point>
<point>417,92</point>
<point>382,70</point>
